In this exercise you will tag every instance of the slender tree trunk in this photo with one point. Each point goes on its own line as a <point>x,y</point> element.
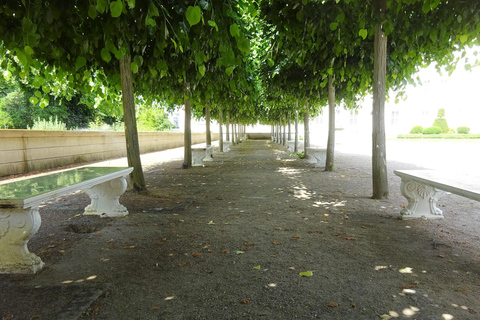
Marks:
<point>306,139</point>
<point>289,127</point>
<point>379,159</point>
<point>233,134</point>
<point>207,126</point>
<point>220,122</point>
<point>329,164</point>
<point>284,130</point>
<point>227,126</point>
<point>295,148</point>
<point>187,155</point>
<point>129,118</point>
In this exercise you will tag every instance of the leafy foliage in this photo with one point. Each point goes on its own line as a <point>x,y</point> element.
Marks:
<point>463,130</point>
<point>416,130</point>
<point>432,130</point>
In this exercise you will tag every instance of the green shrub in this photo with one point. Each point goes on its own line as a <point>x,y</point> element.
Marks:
<point>42,124</point>
<point>432,130</point>
<point>451,131</point>
<point>442,124</point>
<point>416,129</point>
<point>463,130</point>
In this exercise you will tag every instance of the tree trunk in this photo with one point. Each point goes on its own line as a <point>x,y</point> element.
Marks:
<point>284,142</point>
<point>233,133</point>
<point>227,127</point>
<point>329,163</point>
<point>306,139</point>
<point>295,148</point>
<point>207,126</point>
<point>220,121</point>
<point>187,136</point>
<point>131,133</point>
<point>379,159</point>
<point>289,127</point>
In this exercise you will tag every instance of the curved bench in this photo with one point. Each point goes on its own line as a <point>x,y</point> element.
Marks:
<point>20,201</point>
<point>423,188</point>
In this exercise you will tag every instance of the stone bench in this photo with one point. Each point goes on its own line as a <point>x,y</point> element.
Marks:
<point>226,146</point>
<point>317,155</point>
<point>201,154</point>
<point>291,145</point>
<point>423,188</point>
<point>20,201</point>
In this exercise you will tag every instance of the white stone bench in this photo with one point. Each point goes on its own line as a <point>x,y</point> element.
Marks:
<point>317,155</point>
<point>20,200</point>
<point>201,154</point>
<point>226,146</point>
<point>423,188</point>
<point>291,145</point>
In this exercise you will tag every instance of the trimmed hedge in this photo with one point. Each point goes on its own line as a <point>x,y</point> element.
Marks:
<point>432,130</point>
<point>438,136</point>
<point>416,129</point>
<point>463,130</point>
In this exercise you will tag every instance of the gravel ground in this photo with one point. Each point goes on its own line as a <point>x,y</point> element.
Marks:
<point>256,234</point>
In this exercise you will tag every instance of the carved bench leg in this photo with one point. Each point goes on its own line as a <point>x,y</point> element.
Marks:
<point>17,226</point>
<point>105,197</point>
<point>197,157</point>
<point>208,154</point>
<point>422,200</point>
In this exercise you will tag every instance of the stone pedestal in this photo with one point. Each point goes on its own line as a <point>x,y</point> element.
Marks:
<point>226,146</point>
<point>105,198</point>
<point>317,155</point>
<point>422,200</point>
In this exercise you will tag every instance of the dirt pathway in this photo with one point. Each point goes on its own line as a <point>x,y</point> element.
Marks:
<point>230,240</point>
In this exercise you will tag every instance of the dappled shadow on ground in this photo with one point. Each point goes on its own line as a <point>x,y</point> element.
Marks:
<point>230,241</point>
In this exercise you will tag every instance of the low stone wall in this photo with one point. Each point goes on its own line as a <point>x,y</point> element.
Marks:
<point>23,151</point>
<point>259,136</point>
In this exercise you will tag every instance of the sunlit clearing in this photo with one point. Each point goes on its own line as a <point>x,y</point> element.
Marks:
<point>408,312</point>
<point>380,268</point>
<point>406,270</point>
<point>329,204</point>
<point>447,316</point>
<point>301,192</point>
<point>288,170</point>
<point>79,280</point>
<point>394,314</point>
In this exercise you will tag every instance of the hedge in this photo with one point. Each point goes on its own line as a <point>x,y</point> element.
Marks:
<point>438,136</point>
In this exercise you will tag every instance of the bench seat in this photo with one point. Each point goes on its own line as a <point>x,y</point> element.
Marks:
<point>20,201</point>
<point>423,188</point>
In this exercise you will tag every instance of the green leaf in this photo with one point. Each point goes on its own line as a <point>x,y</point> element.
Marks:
<point>38,81</point>
<point>33,100</point>
<point>270,62</point>
<point>256,267</point>
<point>363,33</point>
<point>213,24</point>
<point>234,30</point>
<point>151,22</point>
<point>92,11</point>
<point>38,94</point>
<point>138,60</point>
<point>106,55</point>
<point>244,45</point>
<point>333,26</point>
<point>201,69</point>
<point>229,70</point>
<point>299,15</point>
<point>116,8</point>
<point>101,5</point>
<point>306,274</point>
<point>28,50</point>
<point>134,67</point>
<point>463,39</point>
<point>205,5</point>
<point>22,58</point>
<point>131,4</point>
<point>341,17</point>
<point>80,62</point>
<point>194,15</point>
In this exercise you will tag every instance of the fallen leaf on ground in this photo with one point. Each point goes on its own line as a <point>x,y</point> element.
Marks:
<point>333,304</point>
<point>154,308</point>
<point>225,251</point>
<point>211,222</point>
<point>295,237</point>
<point>245,301</point>
<point>385,316</point>
<point>196,254</point>
<point>237,252</point>
<point>169,298</point>
<point>160,243</point>
<point>350,238</point>
<point>276,242</point>
<point>256,267</point>
<point>272,285</point>
<point>442,255</point>
<point>306,274</point>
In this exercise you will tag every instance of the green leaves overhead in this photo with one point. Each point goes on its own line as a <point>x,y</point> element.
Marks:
<point>363,33</point>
